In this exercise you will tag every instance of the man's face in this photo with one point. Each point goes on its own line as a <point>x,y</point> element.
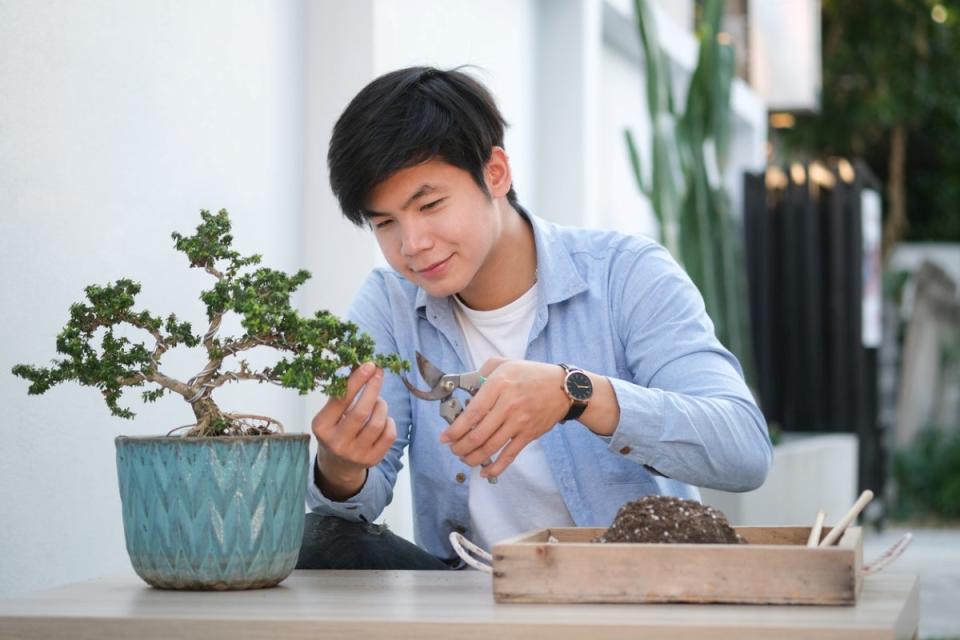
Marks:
<point>435,226</point>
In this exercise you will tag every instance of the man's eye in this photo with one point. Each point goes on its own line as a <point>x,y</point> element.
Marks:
<point>382,224</point>
<point>431,205</point>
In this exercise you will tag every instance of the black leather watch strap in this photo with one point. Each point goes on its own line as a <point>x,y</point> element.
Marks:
<point>576,410</point>
<point>578,406</point>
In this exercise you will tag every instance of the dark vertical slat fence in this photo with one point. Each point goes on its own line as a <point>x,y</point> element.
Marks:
<point>805,269</point>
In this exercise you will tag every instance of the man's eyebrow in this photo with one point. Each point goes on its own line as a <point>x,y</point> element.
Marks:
<point>423,190</point>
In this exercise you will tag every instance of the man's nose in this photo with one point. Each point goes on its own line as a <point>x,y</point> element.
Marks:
<point>416,237</point>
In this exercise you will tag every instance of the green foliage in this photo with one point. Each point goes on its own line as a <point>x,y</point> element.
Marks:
<point>325,345</point>
<point>888,62</point>
<point>927,476</point>
<point>119,362</point>
<point>689,151</point>
<point>212,243</point>
<point>323,348</point>
<point>153,395</point>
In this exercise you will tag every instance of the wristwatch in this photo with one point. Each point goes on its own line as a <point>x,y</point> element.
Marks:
<point>579,388</point>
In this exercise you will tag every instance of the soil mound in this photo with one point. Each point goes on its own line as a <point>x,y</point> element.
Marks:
<point>666,519</point>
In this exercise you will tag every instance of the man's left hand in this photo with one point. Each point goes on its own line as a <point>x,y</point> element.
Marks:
<point>519,402</point>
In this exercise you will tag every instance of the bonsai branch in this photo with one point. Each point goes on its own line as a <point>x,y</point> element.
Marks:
<point>231,347</point>
<point>209,268</point>
<point>170,383</point>
<point>236,376</point>
<point>164,381</point>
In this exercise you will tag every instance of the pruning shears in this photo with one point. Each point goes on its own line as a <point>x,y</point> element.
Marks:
<point>442,386</point>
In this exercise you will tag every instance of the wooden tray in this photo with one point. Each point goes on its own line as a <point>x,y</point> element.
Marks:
<point>774,568</point>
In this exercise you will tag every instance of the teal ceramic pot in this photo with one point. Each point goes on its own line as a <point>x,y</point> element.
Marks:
<point>213,513</point>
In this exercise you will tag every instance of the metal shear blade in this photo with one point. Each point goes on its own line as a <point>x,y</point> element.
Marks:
<point>442,385</point>
<point>433,377</point>
<point>431,374</point>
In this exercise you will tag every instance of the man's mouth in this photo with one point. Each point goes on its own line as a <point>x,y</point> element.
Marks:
<point>433,269</point>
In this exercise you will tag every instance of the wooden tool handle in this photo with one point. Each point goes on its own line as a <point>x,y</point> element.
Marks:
<point>817,529</point>
<point>848,517</point>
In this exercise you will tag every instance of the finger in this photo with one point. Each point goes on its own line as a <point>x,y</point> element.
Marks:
<point>335,407</point>
<point>489,449</point>
<point>374,426</point>
<point>387,437</point>
<point>480,405</point>
<point>507,456</point>
<point>491,365</point>
<point>480,433</point>
<point>357,415</point>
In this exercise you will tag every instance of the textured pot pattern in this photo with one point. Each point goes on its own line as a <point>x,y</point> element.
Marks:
<point>213,513</point>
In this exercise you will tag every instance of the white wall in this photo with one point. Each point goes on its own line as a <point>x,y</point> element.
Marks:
<point>118,122</point>
<point>622,205</point>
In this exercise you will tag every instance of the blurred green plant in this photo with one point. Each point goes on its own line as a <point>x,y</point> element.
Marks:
<point>776,433</point>
<point>891,95</point>
<point>323,347</point>
<point>689,153</point>
<point>927,476</point>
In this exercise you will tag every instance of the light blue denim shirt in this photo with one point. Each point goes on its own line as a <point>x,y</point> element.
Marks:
<point>610,303</point>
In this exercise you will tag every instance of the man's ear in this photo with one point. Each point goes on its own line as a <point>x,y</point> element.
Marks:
<point>497,173</point>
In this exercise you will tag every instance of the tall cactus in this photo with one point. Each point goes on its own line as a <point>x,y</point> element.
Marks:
<point>689,151</point>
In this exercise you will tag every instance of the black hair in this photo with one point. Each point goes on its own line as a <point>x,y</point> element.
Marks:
<point>407,117</point>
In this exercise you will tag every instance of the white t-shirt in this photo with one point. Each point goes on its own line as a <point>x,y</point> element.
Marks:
<point>526,495</point>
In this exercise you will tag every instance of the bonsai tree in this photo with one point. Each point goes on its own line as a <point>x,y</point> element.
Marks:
<point>321,348</point>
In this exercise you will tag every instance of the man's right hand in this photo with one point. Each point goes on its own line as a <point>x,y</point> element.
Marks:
<point>353,434</point>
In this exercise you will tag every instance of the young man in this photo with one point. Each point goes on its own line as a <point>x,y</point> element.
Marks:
<point>605,382</point>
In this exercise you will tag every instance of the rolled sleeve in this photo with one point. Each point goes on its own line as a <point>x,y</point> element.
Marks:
<point>361,506</point>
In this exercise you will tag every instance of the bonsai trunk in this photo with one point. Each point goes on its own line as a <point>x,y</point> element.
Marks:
<point>207,413</point>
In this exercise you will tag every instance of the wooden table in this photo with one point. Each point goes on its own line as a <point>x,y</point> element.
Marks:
<point>427,604</point>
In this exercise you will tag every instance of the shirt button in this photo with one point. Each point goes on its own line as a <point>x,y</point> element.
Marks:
<point>461,477</point>
<point>625,450</point>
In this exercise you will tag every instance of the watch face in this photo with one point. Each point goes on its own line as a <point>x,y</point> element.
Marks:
<point>579,385</point>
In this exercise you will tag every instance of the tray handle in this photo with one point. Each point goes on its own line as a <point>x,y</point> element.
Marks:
<point>888,556</point>
<point>458,542</point>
